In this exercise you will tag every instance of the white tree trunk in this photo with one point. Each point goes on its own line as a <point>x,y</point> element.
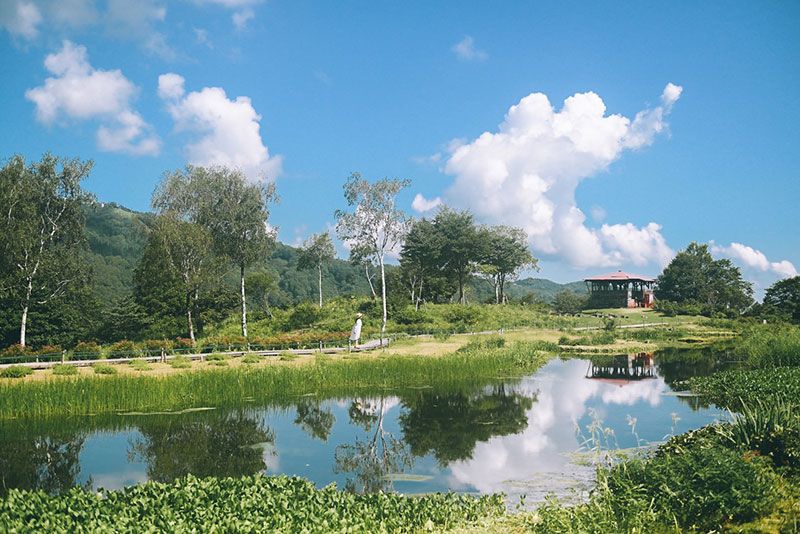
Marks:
<point>191,323</point>
<point>23,323</point>
<point>319,269</point>
<point>383,297</point>
<point>369,280</point>
<point>244,304</point>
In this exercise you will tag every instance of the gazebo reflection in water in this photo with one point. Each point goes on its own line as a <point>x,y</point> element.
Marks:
<point>622,369</point>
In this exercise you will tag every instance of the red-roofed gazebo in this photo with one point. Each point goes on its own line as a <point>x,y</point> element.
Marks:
<point>620,290</point>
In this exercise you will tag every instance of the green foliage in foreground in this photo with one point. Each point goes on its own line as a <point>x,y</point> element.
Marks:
<point>229,386</point>
<point>248,504</point>
<point>765,346</point>
<point>728,388</point>
<point>709,479</point>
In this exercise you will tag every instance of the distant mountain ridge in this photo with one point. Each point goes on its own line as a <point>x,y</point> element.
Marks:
<point>117,235</point>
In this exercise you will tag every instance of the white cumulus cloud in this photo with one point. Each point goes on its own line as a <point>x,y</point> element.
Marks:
<point>753,259</point>
<point>526,173</point>
<point>422,204</point>
<point>466,50</point>
<point>21,18</point>
<point>78,91</point>
<point>227,131</point>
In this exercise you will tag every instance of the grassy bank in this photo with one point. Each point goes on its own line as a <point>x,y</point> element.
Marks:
<point>248,504</point>
<point>480,360</point>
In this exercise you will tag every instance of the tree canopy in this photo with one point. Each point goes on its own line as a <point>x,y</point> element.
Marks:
<point>783,298</point>
<point>695,277</point>
<point>42,241</point>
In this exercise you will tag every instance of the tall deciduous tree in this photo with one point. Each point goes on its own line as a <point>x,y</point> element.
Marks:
<point>695,277</point>
<point>187,250</point>
<point>376,225</point>
<point>420,261</point>
<point>234,210</point>
<point>41,231</point>
<point>316,251</point>
<point>462,246</point>
<point>507,253</point>
<point>784,297</point>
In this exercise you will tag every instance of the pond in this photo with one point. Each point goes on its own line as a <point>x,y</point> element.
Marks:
<point>531,436</point>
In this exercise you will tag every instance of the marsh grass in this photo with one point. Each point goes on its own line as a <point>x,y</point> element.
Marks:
<point>333,378</point>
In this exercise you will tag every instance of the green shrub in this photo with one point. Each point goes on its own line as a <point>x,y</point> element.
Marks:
<point>63,369</point>
<point>218,363</point>
<point>124,349</point>
<point>251,358</point>
<point>180,362</point>
<point>216,357</point>
<point>303,316</point>
<point>104,369</point>
<point>409,315</point>
<point>15,371</point>
<point>441,335</point>
<point>140,365</point>
<point>182,344</point>
<point>86,350</point>
<point>153,347</point>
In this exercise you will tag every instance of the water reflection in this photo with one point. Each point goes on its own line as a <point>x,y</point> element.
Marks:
<point>514,436</point>
<point>214,444</point>
<point>47,463</point>
<point>449,425</point>
<point>314,420</point>
<point>373,462</point>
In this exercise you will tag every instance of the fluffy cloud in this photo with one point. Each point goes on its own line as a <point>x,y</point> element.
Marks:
<point>228,131</point>
<point>79,91</point>
<point>526,174</point>
<point>465,50</point>
<point>754,260</point>
<point>20,18</point>
<point>422,204</point>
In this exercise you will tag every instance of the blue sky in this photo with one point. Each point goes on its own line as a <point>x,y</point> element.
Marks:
<point>407,89</point>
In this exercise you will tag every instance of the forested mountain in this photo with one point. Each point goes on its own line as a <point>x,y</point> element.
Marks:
<point>117,236</point>
<point>543,288</point>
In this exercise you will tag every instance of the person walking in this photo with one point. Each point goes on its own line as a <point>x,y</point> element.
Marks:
<point>355,333</point>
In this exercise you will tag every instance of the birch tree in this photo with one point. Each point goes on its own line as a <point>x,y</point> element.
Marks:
<point>187,249</point>
<point>316,251</point>
<point>507,253</point>
<point>234,210</point>
<point>41,231</point>
<point>375,226</point>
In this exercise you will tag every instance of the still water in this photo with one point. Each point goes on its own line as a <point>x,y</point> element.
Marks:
<point>529,436</point>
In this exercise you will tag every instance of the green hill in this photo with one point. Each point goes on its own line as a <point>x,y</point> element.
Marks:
<point>117,236</point>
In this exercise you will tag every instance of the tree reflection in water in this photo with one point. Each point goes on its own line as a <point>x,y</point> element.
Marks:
<point>450,424</point>
<point>207,444</point>
<point>314,420</point>
<point>374,460</point>
<point>43,463</point>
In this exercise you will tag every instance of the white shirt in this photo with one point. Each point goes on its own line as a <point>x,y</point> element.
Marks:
<point>355,334</point>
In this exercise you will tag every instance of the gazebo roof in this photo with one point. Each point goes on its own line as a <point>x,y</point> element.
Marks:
<point>619,276</point>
